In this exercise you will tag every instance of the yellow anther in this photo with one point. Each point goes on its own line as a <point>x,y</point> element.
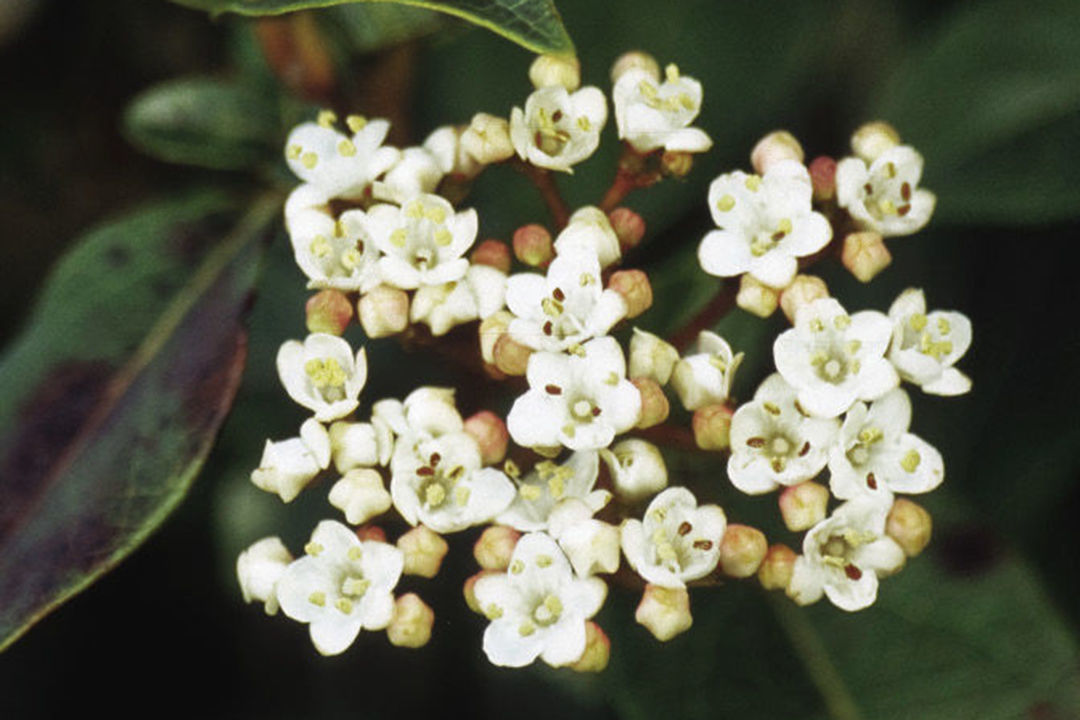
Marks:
<point>569,430</point>
<point>771,408</point>
<point>355,586</point>
<point>543,561</point>
<point>344,605</point>
<point>725,203</point>
<point>293,152</point>
<point>816,325</point>
<point>583,123</point>
<point>317,598</point>
<point>870,435</point>
<point>461,495</point>
<point>659,514</point>
<point>753,183</point>
<point>842,322</point>
<point>943,326</point>
<point>313,549</point>
<point>586,279</point>
<point>784,226</point>
<point>434,495</point>
<point>818,358</point>
<point>435,214</point>
<point>398,237</point>
<point>339,229</point>
<point>666,551</point>
<point>671,72</point>
<point>853,347</point>
<point>309,160</point>
<point>576,349</point>
<point>530,492</point>
<point>686,101</point>
<point>557,487</point>
<point>346,148</point>
<point>354,554</point>
<point>327,118</point>
<point>917,322</point>
<point>718,362</point>
<point>351,259</point>
<point>414,210</point>
<point>551,307</point>
<point>553,605</point>
<point>526,629</point>
<point>887,207</point>
<point>493,612</point>
<point>517,567</point>
<point>890,169</point>
<point>511,469</point>
<point>647,89</point>
<point>325,373</point>
<point>545,468</point>
<point>443,237</point>
<point>910,461</point>
<point>320,246</point>
<point>356,123</point>
<point>612,378</point>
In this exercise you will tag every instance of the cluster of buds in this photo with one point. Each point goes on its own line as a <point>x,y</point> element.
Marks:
<point>573,482</point>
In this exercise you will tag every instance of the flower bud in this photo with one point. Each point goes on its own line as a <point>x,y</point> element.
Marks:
<point>742,550</point>
<point>510,356</point>
<point>491,329</point>
<point>489,432</point>
<point>874,138</point>
<point>676,163</point>
<point>487,139</point>
<point>383,311</point>
<point>910,526</point>
<point>804,505</point>
<point>597,650</point>
<point>756,298</point>
<point>823,177</point>
<point>411,623</point>
<point>493,253</point>
<point>712,427</point>
<point>353,445</point>
<point>371,532</point>
<point>776,568</point>
<point>469,588</point>
<point>591,546</point>
<point>360,494</point>
<point>665,612</point>
<point>803,290</point>
<point>629,227</point>
<point>654,403</point>
<point>424,550</point>
<point>774,147</point>
<point>533,245</point>
<point>632,60</point>
<point>634,288</point>
<point>492,551</point>
<point>865,255</point>
<point>560,70</point>
<point>328,311</point>
<point>637,469</point>
<point>651,357</point>
<point>258,569</point>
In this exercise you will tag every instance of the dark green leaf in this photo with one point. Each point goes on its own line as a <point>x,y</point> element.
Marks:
<point>112,397</point>
<point>370,26</point>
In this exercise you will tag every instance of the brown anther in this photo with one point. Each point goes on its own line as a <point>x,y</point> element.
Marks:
<point>756,442</point>
<point>595,412</point>
<point>553,389</point>
<point>852,572</point>
<point>425,471</point>
<point>703,544</point>
<point>868,188</point>
<point>805,449</point>
<point>548,328</point>
<point>903,210</point>
<point>558,294</point>
<point>434,460</point>
<point>871,481</point>
<point>556,116</point>
<point>778,235</point>
<point>685,528</point>
<point>905,191</point>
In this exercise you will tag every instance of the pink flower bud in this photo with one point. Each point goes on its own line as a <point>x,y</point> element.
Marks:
<point>712,427</point>
<point>629,227</point>
<point>804,505</point>
<point>654,403</point>
<point>776,568</point>
<point>597,650</point>
<point>328,311</point>
<point>635,289</point>
<point>874,138</point>
<point>469,590</point>
<point>424,551</point>
<point>756,298</point>
<point>865,255</point>
<point>384,311</point>
<point>491,329</point>
<point>489,432</point>
<point>665,612</point>
<point>492,551</point>
<point>411,624</point>
<point>493,253</point>
<point>635,59</point>
<point>742,550</point>
<point>510,356</point>
<point>371,532</point>
<point>674,163</point>
<point>774,147</point>
<point>823,176</point>
<point>533,245</point>
<point>910,526</point>
<point>803,290</point>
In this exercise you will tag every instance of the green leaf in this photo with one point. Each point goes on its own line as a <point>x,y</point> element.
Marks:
<point>205,122</point>
<point>370,26</point>
<point>111,399</point>
<point>534,24</point>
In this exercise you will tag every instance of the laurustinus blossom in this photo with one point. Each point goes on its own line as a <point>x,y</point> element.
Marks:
<point>361,495</point>
<point>259,568</point>
<point>925,346</point>
<point>884,195</point>
<point>590,230</point>
<point>288,466</point>
<point>664,611</point>
<point>322,374</point>
<point>653,115</point>
<point>548,484</point>
<point>873,139</point>
<point>637,469</point>
<point>651,357</point>
<point>704,377</point>
<point>558,129</point>
<point>342,165</point>
<point>676,541</point>
<point>487,139</point>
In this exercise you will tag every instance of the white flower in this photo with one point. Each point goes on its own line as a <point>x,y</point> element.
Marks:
<point>885,197</point>
<point>487,139</point>
<point>652,115</point>
<point>677,541</point>
<point>705,377</point>
<point>558,129</point>
<point>337,255</point>
<point>580,401</point>
<point>361,495</point>
<point>833,359</point>
<point>289,465</point>
<point>259,568</point>
<point>547,484</point>
<point>774,443</point>
<point>637,469</point>
<point>591,546</point>
<point>844,555</point>
<point>567,307</point>
<point>423,241</point>
<point>341,586</point>
<point>651,357</point>
<point>322,374</point>
<point>479,294</point>
<point>925,346</point>
<point>764,222</point>
<point>538,608</point>
<point>354,445</point>
<point>875,455</point>
<point>416,171</point>
<point>589,229</point>
<point>338,164</point>
<point>426,413</point>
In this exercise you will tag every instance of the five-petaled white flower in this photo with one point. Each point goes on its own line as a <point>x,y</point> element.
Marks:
<point>322,374</point>
<point>676,541</point>
<point>705,377</point>
<point>926,345</point>
<point>558,129</point>
<point>885,196</point>
<point>765,223</point>
<point>340,165</point>
<point>341,586</point>
<point>333,254</point>
<point>581,400</point>
<point>833,359</point>
<point>652,115</point>
<point>539,607</point>
<point>844,555</point>
<point>549,483</point>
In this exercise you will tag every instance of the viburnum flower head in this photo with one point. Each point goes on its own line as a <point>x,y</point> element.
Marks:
<point>548,484</point>
<point>341,165</point>
<point>705,377</point>
<point>844,555</point>
<point>582,400</point>
<point>558,129</point>
<point>333,254</point>
<point>774,443</point>
<point>875,455</point>
<point>342,585</point>
<point>885,196</point>
<point>676,541</point>
<point>422,241</point>
<point>322,374</point>
<point>765,223</point>
<point>833,359</point>
<point>651,114</point>
<point>926,345</point>
<point>539,607</point>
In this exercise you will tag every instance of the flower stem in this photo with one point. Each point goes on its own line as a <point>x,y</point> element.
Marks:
<point>549,191</point>
<point>720,305</point>
<point>633,172</point>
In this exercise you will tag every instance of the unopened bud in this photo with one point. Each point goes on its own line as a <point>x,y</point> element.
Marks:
<point>489,432</point>
<point>353,445</point>
<point>360,494</point>
<point>487,139</point>
<point>424,550</point>
<point>865,255</point>
<point>803,290</point>
<point>495,546</point>
<point>469,590</point>
<point>757,298</point>
<point>676,163</point>
<point>510,356</point>
<point>874,138</point>
<point>373,533</point>
<point>558,70</point>
<point>651,357</point>
<point>411,623</point>
<point>910,526</point>
<point>712,427</point>
<point>654,403</point>
<point>742,550</point>
<point>774,147</point>
<point>804,505</point>
<point>665,612</point>
<point>823,177</point>
<point>635,60</point>
<point>328,311</point>
<point>384,311</point>
<point>491,329</point>
<point>634,288</point>
<point>533,245</point>
<point>493,253</point>
<point>629,227</point>
<point>258,569</point>
<point>776,568</point>
<point>637,469</point>
<point>597,650</point>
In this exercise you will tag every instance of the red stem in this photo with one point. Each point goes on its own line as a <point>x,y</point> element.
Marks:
<point>549,191</point>
<point>720,305</point>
